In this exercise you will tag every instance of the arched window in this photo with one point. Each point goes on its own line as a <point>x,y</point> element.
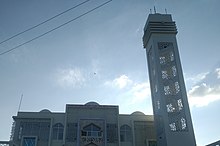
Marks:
<point>58,131</point>
<point>125,133</point>
<point>91,144</point>
<point>91,130</point>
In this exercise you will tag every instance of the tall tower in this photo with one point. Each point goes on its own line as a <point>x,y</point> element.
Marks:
<point>170,105</point>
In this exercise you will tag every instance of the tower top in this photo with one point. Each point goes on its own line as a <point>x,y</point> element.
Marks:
<point>157,17</point>
<point>158,23</point>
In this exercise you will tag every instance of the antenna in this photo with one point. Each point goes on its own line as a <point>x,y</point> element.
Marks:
<point>20,103</point>
<point>155,10</point>
<point>165,10</point>
<point>155,3</point>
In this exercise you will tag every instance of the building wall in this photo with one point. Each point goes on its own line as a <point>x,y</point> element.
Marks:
<point>104,117</point>
<point>36,125</point>
<point>142,129</point>
<point>83,124</point>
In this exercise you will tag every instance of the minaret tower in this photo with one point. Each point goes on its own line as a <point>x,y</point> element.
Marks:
<point>170,104</point>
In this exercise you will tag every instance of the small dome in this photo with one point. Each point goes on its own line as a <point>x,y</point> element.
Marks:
<point>45,111</point>
<point>92,103</point>
<point>138,113</point>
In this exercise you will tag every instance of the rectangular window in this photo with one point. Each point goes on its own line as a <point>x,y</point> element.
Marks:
<point>174,72</point>
<point>170,108</point>
<point>167,90</point>
<point>20,132</point>
<point>158,104</point>
<point>164,74</point>
<point>162,60</point>
<point>166,51</point>
<point>154,72</point>
<point>171,56</point>
<point>29,141</point>
<point>155,88</point>
<point>177,87</point>
<point>183,123</point>
<point>180,104</point>
<point>84,133</point>
<point>166,57</point>
<point>152,143</point>
<point>40,129</point>
<point>173,127</point>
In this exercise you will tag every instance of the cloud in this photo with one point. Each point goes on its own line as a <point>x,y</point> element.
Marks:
<point>140,92</point>
<point>217,70</point>
<point>206,91</point>
<point>136,98</point>
<point>70,77</point>
<point>196,78</point>
<point>120,82</point>
<point>203,95</point>
<point>133,92</point>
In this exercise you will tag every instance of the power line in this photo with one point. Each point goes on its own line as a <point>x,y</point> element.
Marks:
<point>37,37</point>
<point>43,22</point>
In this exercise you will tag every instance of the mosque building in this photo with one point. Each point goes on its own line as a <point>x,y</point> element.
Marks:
<point>90,124</point>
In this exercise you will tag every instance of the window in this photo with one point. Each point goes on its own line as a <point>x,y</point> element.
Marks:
<point>36,127</point>
<point>58,131</point>
<point>154,72</point>
<point>177,87</point>
<point>170,108</point>
<point>173,127</point>
<point>171,56</point>
<point>174,72</point>
<point>168,72</point>
<point>180,104</point>
<point>164,45</point>
<point>125,133</point>
<point>166,52</point>
<point>183,123</point>
<point>91,130</point>
<point>166,57</point>
<point>172,89</point>
<point>155,88</point>
<point>158,104</point>
<point>162,59</point>
<point>167,90</point>
<point>179,125</point>
<point>20,132</point>
<point>29,141</point>
<point>164,74</point>
<point>152,143</point>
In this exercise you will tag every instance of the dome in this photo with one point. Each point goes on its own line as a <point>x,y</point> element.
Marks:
<point>138,113</point>
<point>45,111</point>
<point>92,103</point>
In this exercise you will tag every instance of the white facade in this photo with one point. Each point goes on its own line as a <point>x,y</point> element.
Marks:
<point>169,99</point>
<point>83,125</point>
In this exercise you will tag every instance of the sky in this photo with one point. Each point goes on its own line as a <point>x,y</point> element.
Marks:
<point>100,57</point>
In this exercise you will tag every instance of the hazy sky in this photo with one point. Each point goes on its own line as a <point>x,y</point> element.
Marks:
<point>100,57</point>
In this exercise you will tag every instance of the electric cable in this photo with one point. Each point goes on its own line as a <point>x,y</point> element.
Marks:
<point>43,22</point>
<point>37,37</point>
